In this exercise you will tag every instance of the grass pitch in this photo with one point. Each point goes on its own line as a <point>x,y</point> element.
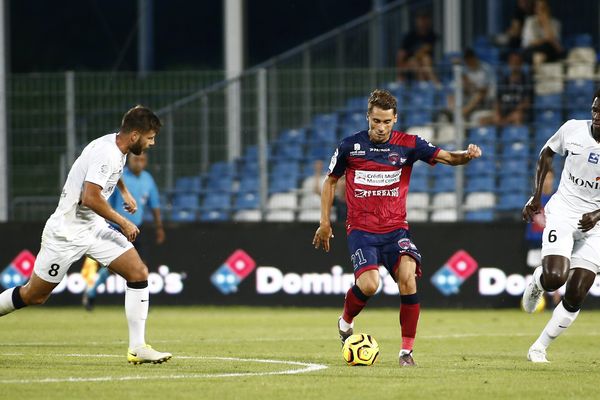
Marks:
<point>290,353</point>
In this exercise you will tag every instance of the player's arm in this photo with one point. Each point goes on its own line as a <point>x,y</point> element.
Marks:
<point>544,164</point>
<point>324,232</point>
<point>458,157</point>
<point>129,202</point>
<point>91,197</point>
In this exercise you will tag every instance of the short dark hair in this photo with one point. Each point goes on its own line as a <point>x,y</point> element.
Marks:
<point>382,99</point>
<point>596,94</point>
<point>141,119</point>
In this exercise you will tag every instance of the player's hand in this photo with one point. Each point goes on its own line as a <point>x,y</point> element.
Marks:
<point>129,203</point>
<point>473,151</point>
<point>160,235</point>
<point>533,207</point>
<point>129,230</point>
<point>588,220</point>
<point>322,236</point>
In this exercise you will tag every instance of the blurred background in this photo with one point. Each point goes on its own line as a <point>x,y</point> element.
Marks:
<point>255,95</point>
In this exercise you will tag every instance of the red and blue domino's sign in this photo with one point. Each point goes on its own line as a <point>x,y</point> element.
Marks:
<point>233,271</point>
<point>18,271</point>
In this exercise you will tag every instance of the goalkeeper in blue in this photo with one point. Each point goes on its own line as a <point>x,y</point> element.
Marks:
<point>143,189</point>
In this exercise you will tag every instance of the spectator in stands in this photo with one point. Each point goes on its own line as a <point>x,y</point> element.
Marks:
<point>478,88</point>
<point>541,35</point>
<point>511,38</point>
<point>513,100</point>
<point>414,60</point>
<point>339,201</point>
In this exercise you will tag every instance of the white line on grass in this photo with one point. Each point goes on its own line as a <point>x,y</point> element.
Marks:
<point>306,367</point>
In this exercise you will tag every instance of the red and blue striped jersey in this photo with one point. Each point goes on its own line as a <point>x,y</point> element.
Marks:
<point>377,178</point>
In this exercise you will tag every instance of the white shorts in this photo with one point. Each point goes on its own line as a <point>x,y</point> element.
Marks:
<point>562,237</point>
<point>104,244</point>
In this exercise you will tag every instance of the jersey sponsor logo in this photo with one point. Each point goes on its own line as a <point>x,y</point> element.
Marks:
<point>357,151</point>
<point>593,158</point>
<point>377,178</point>
<point>362,193</point>
<point>377,149</point>
<point>584,183</point>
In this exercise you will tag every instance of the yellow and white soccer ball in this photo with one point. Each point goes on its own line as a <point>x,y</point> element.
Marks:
<point>360,349</point>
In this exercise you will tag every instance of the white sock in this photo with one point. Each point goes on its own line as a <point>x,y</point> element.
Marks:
<point>560,321</point>
<point>136,311</point>
<point>344,326</point>
<point>6,303</point>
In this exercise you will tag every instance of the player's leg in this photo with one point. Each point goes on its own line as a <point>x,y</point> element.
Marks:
<point>410,308</point>
<point>557,246</point>
<point>565,313</point>
<point>36,291</point>
<point>112,249</point>
<point>366,270</point>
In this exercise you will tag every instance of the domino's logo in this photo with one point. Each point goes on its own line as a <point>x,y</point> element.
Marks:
<point>233,271</point>
<point>18,271</point>
<point>454,272</point>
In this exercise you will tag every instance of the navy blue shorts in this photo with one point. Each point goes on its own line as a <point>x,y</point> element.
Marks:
<point>369,250</point>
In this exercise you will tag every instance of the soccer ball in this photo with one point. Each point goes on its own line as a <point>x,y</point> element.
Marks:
<point>360,349</point>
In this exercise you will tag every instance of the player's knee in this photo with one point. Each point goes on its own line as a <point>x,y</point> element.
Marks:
<point>369,287</point>
<point>138,273</point>
<point>407,287</point>
<point>554,279</point>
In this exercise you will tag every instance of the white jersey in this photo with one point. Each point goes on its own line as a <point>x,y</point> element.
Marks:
<point>101,162</point>
<point>579,189</point>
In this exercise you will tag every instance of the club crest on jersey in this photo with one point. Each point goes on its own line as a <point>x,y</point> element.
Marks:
<point>593,158</point>
<point>357,151</point>
<point>394,158</point>
<point>406,244</point>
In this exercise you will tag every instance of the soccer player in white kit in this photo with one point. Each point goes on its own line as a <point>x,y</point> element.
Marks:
<point>571,238</point>
<point>79,227</point>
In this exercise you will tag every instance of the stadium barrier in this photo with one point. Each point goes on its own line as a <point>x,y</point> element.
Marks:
<point>465,265</point>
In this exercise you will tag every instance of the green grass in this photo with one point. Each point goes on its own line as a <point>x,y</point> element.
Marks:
<point>461,355</point>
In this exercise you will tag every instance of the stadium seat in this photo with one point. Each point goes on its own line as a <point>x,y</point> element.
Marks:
<point>287,151</point>
<point>416,215</point>
<point>283,201</point>
<point>222,168</point>
<point>187,201</point>
<point>482,167</point>
<point>321,134</point>
<point>247,201</point>
<point>297,136</point>
<point>188,184</point>
<point>280,216</point>
<point>425,132</point>
<point>479,216</point>
<point>282,183</point>
<point>214,216</point>
<point>249,184</point>
<point>482,135</point>
<point>548,117</point>
<point>357,104</point>
<point>312,215</point>
<point>419,183</point>
<point>216,201</point>
<point>445,133</point>
<point>247,216</point>
<point>325,121</point>
<point>447,215</point>
<point>578,113</point>
<point>515,151</point>
<point>514,184</point>
<point>444,184</point>
<point>352,123</point>
<point>543,132</point>
<point>514,133</point>
<point>514,167</point>
<point>417,200</point>
<point>548,101</point>
<point>183,215</point>
<point>444,200</point>
<point>218,183</point>
<point>418,117</point>
<point>480,184</point>
<point>310,201</point>
<point>512,201</point>
<point>479,200</point>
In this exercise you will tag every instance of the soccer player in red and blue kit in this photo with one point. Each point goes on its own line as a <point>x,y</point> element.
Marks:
<point>377,164</point>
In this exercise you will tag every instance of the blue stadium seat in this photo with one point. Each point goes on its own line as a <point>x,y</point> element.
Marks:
<point>480,184</point>
<point>218,183</point>
<point>548,117</point>
<point>248,169</point>
<point>515,133</point>
<point>278,184</point>
<point>216,201</point>
<point>352,123</point>
<point>482,167</point>
<point>419,183</point>
<point>583,40</point>
<point>514,184</point>
<point>357,104</point>
<point>285,168</point>
<point>247,201</point>
<point>251,153</point>
<point>323,134</point>
<point>479,216</point>
<point>417,117</point>
<point>444,184</point>
<point>579,114</point>
<point>188,184</point>
<point>548,101</point>
<point>221,168</point>
<point>186,201</point>
<point>214,216</point>
<point>421,169</point>
<point>183,215</point>
<point>482,135</point>
<point>578,93</point>
<point>544,132</point>
<point>292,136</point>
<point>249,184</point>
<point>514,167</point>
<point>397,89</point>
<point>511,201</point>
<point>325,121</point>
<point>287,151</point>
<point>320,151</point>
<point>488,150</point>
<point>516,150</point>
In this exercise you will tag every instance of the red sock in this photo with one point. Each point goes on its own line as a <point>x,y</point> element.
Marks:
<point>409,318</point>
<point>355,301</point>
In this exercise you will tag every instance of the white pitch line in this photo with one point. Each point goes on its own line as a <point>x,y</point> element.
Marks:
<point>306,367</point>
